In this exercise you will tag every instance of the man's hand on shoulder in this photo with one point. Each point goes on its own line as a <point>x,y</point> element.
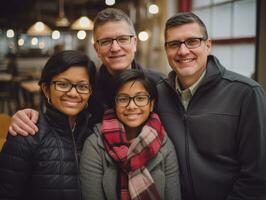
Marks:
<point>23,122</point>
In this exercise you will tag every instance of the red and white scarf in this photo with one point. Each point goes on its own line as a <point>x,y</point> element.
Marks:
<point>135,180</point>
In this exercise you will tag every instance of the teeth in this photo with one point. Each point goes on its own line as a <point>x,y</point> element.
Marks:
<point>185,60</point>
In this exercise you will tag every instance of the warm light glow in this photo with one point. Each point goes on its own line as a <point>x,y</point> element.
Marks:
<point>81,35</point>
<point>55,34</point>
<point>21,42</point>
<point>10,33</point>
<point>153,9</point>
<point>143,36</point>
<point>34,41</point>
<point>83,23</point>
<point>39,29</point>
<point>42,45</point>
<point>109,2</point>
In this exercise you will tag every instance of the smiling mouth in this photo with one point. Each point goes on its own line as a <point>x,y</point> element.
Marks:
<point>184,60</point>
<point>116,57</point>
<point>132,116</point>
<point>71,103</point>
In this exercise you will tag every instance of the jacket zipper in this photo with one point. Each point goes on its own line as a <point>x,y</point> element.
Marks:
<point>76,159</point>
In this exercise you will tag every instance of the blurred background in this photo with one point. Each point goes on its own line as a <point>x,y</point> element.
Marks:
<point>32,30</point>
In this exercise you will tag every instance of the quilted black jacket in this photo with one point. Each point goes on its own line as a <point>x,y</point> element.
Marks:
<point>44,166</point>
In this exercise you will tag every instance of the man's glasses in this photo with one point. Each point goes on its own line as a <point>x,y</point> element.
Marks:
<point>66,86</point>
<point>122,40</point>
<point>190,43</point>
<point>139,100</point>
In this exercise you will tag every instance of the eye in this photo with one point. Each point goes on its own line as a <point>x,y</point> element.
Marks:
<point>62,84</point>
<point>192,42</point>
<point>141,98</point>
<point>105,42</point>
<point>83,87</point>
<point>122,99</point>
<point>173,44</point>
<point>123,39</point>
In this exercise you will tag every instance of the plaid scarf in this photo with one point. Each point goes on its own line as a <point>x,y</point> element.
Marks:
<point>135,180</point>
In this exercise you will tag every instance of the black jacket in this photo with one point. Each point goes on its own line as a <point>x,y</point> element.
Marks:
<point>221,139</point>
<point>103,95</point>
<point>44,166</point>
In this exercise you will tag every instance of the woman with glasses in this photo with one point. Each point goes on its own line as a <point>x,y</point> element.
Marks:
<point>46,166</point>
<point>129,155</point>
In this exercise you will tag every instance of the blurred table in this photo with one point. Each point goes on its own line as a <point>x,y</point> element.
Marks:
<point>5,77</point>
<point>30,90</point>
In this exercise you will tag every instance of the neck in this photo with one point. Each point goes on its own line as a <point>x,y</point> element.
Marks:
<point>132,133</point>
<point>71,121</point>
<point>187,82</point>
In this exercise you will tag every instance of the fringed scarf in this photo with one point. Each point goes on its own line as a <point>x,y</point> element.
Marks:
<point>135,180</point>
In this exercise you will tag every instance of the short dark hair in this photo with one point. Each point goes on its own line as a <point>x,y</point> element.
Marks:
<point>112,15</point>
<point>135,75</point>
<point>62,61</point>
<point>185,18</point>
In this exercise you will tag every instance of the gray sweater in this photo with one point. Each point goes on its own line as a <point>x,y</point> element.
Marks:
<point>99,172</point>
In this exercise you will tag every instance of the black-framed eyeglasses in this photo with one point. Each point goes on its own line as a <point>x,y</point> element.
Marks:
<point>190,43</point>
<point>122,40</point>
<point>66,86</point>
<point>139,100</point>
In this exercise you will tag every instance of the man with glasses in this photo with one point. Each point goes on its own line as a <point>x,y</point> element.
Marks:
<point>115,44</point>
<point>215,118</point>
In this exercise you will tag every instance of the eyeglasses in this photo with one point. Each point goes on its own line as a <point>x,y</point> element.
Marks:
<point>139,100</point>
<point>66,86</point>
<point>122,40</point>
<point>190,43</point>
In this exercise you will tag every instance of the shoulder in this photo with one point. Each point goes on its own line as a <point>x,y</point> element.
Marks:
<point>155,75</point>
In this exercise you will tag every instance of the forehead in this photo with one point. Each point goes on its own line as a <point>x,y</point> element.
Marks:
<point>112,29</point>
<point>183,32</point>
<point>132,87</point>
<point>75,73</point>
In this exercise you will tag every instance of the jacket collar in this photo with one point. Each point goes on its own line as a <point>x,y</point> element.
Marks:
<point>59,121</point>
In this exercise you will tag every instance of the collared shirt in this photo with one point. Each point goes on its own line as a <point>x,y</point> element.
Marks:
<point>185,95</point>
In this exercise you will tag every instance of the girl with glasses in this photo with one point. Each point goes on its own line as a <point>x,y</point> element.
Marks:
<point>129,155</point>
<point>46,165</point>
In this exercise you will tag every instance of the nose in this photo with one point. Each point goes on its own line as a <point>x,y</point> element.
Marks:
<point>115,46</point>
<point>72,92</point>
<point>131,104</point>
<point>183,50</point>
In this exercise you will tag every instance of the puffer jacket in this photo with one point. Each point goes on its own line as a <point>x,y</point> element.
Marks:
<point>221,139</point>
<point>44,166</point>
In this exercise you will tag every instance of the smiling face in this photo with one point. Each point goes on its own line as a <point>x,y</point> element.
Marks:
<point>70,103</point>
<point>187,63</point>
<point>116,57</point>
<point>133,116</point>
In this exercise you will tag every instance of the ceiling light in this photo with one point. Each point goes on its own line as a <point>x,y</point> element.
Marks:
<point>153,9</point>
<point>82,23</point>
<point>39,29</point>
<point>143,36</point>
<point>61,21</point>
<point>10,33</point>
<point>109,2</point>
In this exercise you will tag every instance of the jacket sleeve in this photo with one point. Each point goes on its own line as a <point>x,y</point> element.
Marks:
<point>15,167</point>
<point>251,138</point>
<point>171,171</point>
<point>91,170</point>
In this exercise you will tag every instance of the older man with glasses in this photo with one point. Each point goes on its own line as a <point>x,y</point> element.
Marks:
<point>115,44</point>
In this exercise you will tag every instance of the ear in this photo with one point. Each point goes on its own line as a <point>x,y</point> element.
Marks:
<point>209,45</point>
<point>46,90</point>
<point>96,48</point>
<point>134,43</point>
<point>151,105</point>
